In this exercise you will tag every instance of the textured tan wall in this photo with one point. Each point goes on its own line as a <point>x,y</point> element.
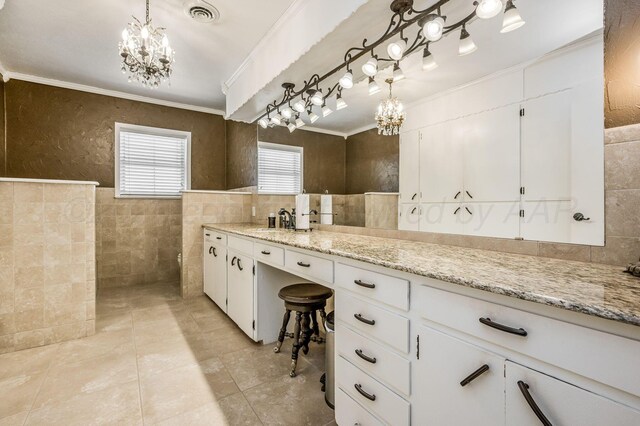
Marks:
<point>242,154</point>
<point>57,133</point>
<point>47,264</point>
<point>622,67</point>
<point>137,240</point>
<point>324,157</point>
<point>372,163</point>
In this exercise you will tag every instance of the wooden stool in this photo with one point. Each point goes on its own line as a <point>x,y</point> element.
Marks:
<point>305,299</point>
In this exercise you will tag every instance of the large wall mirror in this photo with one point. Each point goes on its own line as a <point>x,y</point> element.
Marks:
<point>505,142</point>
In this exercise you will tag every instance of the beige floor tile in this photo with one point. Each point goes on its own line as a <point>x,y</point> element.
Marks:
<point>17,393</point>
<point>178,391</point>
<point>119,321</point>
<point>220,342</point>
<point>163,355</point>
<point>231,411</point>
<point>15,420</point>
<point>118,405</point>
<point>113,343</point>
<point>28,361</point>
<point>66,381</point>
<point>291,401</point>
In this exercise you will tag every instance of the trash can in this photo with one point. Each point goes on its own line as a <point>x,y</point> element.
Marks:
<point>329,362</point>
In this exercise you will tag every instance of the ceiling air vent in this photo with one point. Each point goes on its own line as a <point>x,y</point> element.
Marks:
<point>202,11</point>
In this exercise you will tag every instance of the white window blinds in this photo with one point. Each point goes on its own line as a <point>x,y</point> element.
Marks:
<point>151,162</point>
<point>279,169</point>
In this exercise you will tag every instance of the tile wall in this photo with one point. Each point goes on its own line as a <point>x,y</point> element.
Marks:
<point>381,211</point>
<point>47,263</point>
<point>137,240</point>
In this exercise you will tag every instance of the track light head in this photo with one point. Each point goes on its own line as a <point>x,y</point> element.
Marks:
<point>428,61</point>
<point>432,27</point>
<point>299,106</point>
<point>263,122</point>
<point>467,45</point>
<point>313,117</point>
<point>317,98</point>
<point>512,19</point>
<point>373,86</point>
<point>291,127</point>
<point>276,119</point>
<point>487,9</point>
<point>346,81</point>
<point>340,103</point>
<point>326,110</point>
<point>397,73</point>
<point>370,68</point>
<point>396,49</point>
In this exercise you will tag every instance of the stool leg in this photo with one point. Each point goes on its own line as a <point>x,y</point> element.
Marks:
<point>323,318</point>
<point>283,330</point>
<point>296,345</point>
<point>306,333</point>
<point>314,319</point>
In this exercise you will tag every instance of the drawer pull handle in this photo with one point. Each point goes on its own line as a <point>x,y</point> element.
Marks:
<point>457,195</point>
<point>364,320</point>
<point>266,253</point>
<point>505,328</point>
<point>218,238</point>
<point>233,261</point>
<point>524,388</point>
<point>365,357</point>
<point>369,396</point>
<point>239,265</point>
<point>210,250</point>
<point>471,377</point>
<point>213,251</point>
<point>363,284</point>
<point>304,265</point>
<point>208,235</point>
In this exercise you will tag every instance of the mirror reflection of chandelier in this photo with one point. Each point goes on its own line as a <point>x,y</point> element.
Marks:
<point>145,52</point>
<point>390,114</point>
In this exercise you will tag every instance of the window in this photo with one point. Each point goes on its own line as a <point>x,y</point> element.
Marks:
<point>279,169</point>
<point>151,162</point>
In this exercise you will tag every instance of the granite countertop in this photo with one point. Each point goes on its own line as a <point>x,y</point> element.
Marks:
<point>593,289</point>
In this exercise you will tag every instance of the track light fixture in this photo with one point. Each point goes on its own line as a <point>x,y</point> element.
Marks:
<point>467,45</point>
<point>264,122</point>
<point>340,103</point>
<point>487,9</point>
<point>326,110</point>
<point>396,49</point>
<point>512,19</point>
<point>286,112</point>
<point>299,123</point>
<point>432,27</point>
<point>277,119</point>
<point>299,106</point>
<point>313,117</point>
<point>428,62</point>
<point>316,98</point>
<point>346,81</point>
<point>373,86</point>
<point>370,68</point>
<point>397,72</point>
<point>291,127</point>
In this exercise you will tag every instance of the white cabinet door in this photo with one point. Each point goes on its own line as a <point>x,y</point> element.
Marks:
<point>561,403</point>
<point>409,180</point>
<point>546,147</point>
<point>218,271</point>
<point>499,219</point>
<point>547,221</point>
<point>491,157</point>
<point>443,218</point>
<point>440,398</point>
<point>207,269</point>
<point>441,162</point>
<point>408,217</point>
<point>241,291</point>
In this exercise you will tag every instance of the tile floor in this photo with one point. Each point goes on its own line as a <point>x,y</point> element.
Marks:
<point>159,359</point>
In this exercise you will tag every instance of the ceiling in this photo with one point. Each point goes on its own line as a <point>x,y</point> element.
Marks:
<point>77,41</point>
<point>550,24</point>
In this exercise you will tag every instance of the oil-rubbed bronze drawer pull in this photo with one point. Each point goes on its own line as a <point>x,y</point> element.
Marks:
<point>501,327</point>
<point>364,320</point>
<point>304,265</point>
<point>524,388</point>
<point>213,251</point>
<point>365,357</point>
<point>266,253</point>
<point>210,250</point>
<point>471,377</point>
<point>233,261</point>
<point>218,238</point>
<point>239,265</point>
<point>363,284</point>
<point>208,235</point>
<point>369,396</point>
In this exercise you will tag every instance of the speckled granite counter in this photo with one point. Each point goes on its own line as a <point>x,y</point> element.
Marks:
<point>593,289</point>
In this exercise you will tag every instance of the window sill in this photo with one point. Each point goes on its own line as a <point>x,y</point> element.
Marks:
<point>148,197</point>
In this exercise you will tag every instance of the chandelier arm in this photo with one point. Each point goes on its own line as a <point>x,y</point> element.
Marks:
<point>459,24</point>
<point>147,14</point>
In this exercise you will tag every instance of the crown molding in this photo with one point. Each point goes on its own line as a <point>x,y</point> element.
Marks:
<point>112,93</point>
<point>362,129</point>
<point>6,75</point>
<point>325,131</point>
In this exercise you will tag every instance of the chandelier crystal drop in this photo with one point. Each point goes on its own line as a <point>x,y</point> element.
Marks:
<point>145,52</point>
<point>390,114</point>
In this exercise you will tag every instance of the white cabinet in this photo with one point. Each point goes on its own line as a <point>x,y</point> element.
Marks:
<point>498,219</point>
<point>215,273</point>
<point>456,383</point>
<point>240,290</point>
<point>409,167</point>
<point>445,218</point>
<point>408,217</point>
<point>559,402</point>
<point>441,163</point>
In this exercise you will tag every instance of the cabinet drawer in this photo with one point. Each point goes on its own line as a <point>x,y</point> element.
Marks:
<point>312,266</point>
<point>349,412</point>
<point>240,244</point>
<point>383,288</point>
<point>373,395</point>
<point>561,403</point>
<point>569,346</point>
<point>385,326</point>
<point>374,359</point>
<point>215,237</point>
<point>268,253</point>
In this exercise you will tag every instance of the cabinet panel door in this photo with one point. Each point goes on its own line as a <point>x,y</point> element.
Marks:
<point>492,155</point>
<point>240,291</point>
<point>561,403</point>
<point>409,217</point>
<point>546,147</point>
<point>439,397</point>
<point>548,221</point>
<point>500,220</point>
<point>443,218</point>
<point>441,162</point>
<point>218,286</point>
<point>409,167</point>
<point>207,269</point>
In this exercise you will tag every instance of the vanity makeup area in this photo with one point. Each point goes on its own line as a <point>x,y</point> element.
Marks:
<point>429,331</point>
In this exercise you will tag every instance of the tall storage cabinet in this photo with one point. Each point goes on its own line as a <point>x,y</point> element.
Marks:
<point>215,271</point>
<point>241,291</point>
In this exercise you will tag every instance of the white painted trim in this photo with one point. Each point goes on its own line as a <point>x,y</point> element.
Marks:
<point>382,193</point>
<point>325,131</point>
<point>202,191</point>
<point>362,129</point>
<point>113,93</point>
<point>6,74</point>
<point>49,181</point>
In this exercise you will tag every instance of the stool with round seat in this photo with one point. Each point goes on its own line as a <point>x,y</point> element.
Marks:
<point>306,300</point>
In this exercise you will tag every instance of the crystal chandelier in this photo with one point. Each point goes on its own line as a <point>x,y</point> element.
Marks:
<point>390,114</point>
<point>145,52</point>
